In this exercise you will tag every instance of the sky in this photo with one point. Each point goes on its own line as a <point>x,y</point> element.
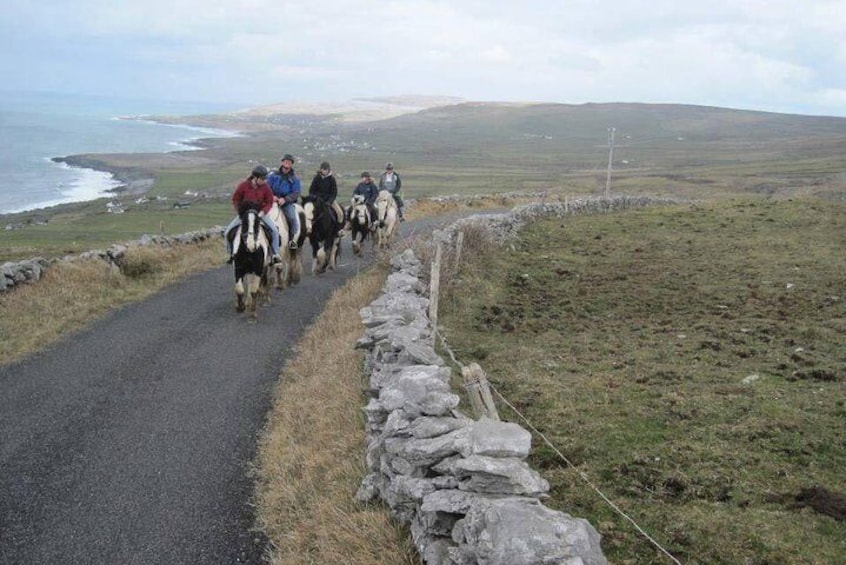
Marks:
<point>784,56</point>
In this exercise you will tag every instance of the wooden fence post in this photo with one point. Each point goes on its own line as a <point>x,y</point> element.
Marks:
<point>435,286</point>
<point>479,392</point>
<point>459,243</point>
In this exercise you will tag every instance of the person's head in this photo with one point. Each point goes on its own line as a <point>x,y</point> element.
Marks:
<point>259,173</point>
<point>389,166</point>
<point>287,162</point>
<point>325,168</point>
<point>365,176</point>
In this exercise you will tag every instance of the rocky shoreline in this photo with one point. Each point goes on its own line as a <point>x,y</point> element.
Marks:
<point>134,181</point>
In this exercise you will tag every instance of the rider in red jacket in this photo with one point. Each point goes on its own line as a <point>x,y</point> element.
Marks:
<point>255,192</point>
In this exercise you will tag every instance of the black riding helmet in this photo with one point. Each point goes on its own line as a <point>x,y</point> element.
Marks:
<point>260,172</point>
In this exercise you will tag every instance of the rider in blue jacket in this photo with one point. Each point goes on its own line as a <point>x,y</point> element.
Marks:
<point>368,189</point>
<point>286,187</point>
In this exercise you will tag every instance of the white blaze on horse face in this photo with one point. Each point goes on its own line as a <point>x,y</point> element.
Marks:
<point>308,210</point>
<point>251,234</point>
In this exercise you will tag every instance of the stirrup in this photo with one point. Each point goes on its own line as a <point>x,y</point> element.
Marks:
<point>292,244</point>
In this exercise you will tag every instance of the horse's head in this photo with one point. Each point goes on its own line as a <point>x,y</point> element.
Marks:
<point>383,203</point>
<point>250,226</point>
<point>309,213</point>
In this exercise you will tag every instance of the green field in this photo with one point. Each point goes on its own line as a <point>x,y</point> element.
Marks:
<point>688,360</point>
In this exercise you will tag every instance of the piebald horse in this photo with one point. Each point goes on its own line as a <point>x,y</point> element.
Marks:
<point>386,218</point>
<point>252,260</point>
<point>289,271</point>
<point>323,227</point>
<point>361,224</point>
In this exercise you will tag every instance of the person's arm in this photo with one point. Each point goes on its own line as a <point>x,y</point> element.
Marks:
<point>333,189</point>
<point>296,188</point>
<point>266,199</point>
<point>399,182</point>
<point>236,198</point>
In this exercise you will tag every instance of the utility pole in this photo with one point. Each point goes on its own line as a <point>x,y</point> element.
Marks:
<point>610,160</point>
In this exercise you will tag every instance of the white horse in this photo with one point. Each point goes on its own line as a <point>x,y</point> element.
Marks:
<point>386,218</point>
<point>289,271</point>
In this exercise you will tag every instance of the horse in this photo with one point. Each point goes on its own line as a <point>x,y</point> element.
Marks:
<point>361,224</point>
<point>251,245</point>
<point>323,228</point>
<point>289,271</point>
<point>386,218</point>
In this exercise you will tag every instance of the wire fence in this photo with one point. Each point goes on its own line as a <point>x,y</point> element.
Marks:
<point>435,285</point>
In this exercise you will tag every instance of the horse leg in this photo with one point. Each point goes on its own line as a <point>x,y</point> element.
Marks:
<point>334,254</point>
<point>240,304</point>
<point>294,268</point>
<point>254,286</point>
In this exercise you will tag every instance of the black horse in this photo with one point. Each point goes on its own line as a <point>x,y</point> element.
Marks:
<point>251,244</point>
<point>323,227</point>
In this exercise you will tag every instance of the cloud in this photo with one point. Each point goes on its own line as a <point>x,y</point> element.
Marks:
<point>774,54</point>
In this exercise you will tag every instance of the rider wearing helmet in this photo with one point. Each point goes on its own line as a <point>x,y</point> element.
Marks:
<point>286,188</point>
<point>254,192</point>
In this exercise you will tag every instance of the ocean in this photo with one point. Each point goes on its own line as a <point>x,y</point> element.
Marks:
<point>35,127</point>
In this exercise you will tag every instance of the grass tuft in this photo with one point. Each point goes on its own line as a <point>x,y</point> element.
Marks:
<point>311,453</point>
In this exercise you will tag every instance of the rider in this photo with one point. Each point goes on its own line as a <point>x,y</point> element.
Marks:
<point>254,191</point>
<point>286,187</point>
<point>390,181</point>
<point>325,186</point>
<point>368,190</point>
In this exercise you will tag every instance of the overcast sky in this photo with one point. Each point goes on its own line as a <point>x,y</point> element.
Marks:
<point>775,55</point>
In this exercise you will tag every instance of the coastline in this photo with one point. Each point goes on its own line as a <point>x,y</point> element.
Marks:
<point>134,181</point>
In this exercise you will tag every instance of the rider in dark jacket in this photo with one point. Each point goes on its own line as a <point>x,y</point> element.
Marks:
<point>325,186</point>
<point>368,189</point>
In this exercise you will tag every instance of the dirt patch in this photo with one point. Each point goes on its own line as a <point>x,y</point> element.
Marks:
<point>823,501</point>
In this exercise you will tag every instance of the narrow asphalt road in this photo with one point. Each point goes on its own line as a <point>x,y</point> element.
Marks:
<point>131,442</point>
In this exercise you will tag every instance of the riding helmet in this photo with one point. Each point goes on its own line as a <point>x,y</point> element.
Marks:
<point>287,157</point>
<point>260,171</point>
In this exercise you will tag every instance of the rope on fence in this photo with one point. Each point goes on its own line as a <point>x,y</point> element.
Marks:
<point>581,474</point>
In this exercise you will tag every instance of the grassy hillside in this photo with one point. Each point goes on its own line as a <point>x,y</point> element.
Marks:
<point>688,360</point>
<point>470,148</point>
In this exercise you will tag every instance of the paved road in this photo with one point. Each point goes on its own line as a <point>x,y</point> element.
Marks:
<point>131,442</point>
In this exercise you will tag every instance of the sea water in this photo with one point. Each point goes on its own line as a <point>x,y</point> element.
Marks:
<point>35,127</point>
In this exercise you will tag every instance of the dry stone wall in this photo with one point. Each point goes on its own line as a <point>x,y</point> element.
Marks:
<point>462,485</point>
<point>29,271</point>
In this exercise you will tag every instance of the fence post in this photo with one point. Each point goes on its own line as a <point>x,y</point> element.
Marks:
<point>435,286</point>
<point>458,244</point>
<point>479,391</point>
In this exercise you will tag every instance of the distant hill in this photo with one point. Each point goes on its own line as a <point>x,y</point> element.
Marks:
<point>459,146</point>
